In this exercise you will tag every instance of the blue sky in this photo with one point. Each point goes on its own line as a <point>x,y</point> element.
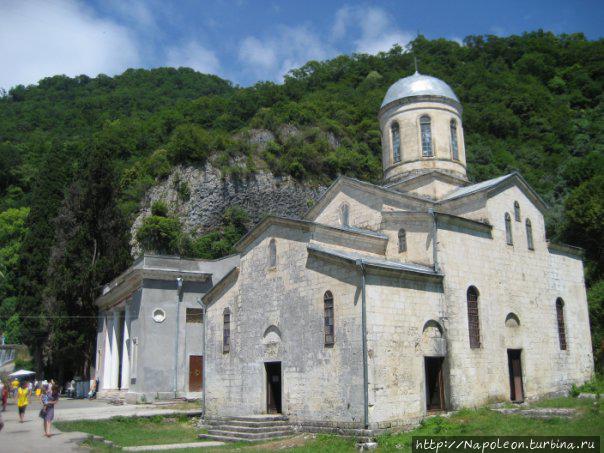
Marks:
<point>249,40</point>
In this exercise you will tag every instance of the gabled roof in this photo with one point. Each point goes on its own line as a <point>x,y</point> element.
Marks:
<point>492,185</point>
<point>232,275</point>
<point>341,181</point>
<point>306,225</point>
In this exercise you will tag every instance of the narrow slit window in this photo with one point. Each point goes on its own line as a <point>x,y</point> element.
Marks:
<point>328,314</point>
<point>473,320</point>
<point>402,240</point>
<point>508,229</point>
<point>516,211</point>
<point>396,142</point>
<point>561,326</point>
<point>426,133</point>
<point>272,251</point>
<point>345,215</point>
<point>529,235</point>
<point>454,145</point>
<point>226,331</point>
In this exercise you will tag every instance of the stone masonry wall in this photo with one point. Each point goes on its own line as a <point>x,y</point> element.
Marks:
<point>512,279</point>
<point>319,383</point>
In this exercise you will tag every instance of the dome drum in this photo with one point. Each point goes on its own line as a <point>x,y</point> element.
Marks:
<point>421,127</point>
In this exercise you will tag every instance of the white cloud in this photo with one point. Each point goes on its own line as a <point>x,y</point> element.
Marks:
<point>136,11</point>
<point>253,52</point>
<point>373,29</point>
<point>193,55</point>
<point>275,55</point>
<point>40,39</point>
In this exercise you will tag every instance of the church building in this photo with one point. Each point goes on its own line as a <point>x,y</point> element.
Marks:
<point>389,302</point>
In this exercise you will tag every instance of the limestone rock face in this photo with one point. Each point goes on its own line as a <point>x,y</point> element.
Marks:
<point>199,197</point>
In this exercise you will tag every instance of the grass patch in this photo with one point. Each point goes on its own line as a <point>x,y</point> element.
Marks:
<point>485,422</point>
<point>594,385</point>
<point>466,422</point>
<point>131,431</point>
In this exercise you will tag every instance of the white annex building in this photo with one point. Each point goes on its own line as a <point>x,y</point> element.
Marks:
<point>385,303</point>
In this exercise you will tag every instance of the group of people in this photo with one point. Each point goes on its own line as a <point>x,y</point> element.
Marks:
<point>22,392</point>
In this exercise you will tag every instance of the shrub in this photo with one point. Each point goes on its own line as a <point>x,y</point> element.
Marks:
<point>159,208</point>
<point>159,235</point>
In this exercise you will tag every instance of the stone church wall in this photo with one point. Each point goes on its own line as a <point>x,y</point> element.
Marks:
<point>398,310</point>
<point>512,279</point>
<point>319,383</point>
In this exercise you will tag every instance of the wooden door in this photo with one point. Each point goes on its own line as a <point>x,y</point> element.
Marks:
<point>195,373</point>
<point>273,387</point>
<point>515,369</point>
<point>435,392</point>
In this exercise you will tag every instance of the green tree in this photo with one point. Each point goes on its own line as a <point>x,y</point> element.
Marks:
<point>91,247</point>
<point>46,198</point>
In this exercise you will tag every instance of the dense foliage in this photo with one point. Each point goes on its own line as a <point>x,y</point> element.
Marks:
<point>532,103</point>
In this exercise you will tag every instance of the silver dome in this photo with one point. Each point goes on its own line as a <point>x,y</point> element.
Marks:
<point>418,85</point>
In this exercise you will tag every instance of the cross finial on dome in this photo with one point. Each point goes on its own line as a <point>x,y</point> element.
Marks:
<point>415,61</point>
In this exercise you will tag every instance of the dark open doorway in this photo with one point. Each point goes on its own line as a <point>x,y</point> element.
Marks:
<point>515,369</point>
<point>273,387</point>
<point>435,390</point>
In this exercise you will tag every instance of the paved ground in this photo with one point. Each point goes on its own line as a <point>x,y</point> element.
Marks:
<point>28,437</point>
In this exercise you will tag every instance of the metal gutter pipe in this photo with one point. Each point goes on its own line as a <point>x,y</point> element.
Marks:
<point>361,266</point>
<point>178,297</point>
<point>434,239</point>
<point>203,365</point>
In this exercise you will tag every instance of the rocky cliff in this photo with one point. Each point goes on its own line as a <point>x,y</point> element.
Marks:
<point>199,196</point>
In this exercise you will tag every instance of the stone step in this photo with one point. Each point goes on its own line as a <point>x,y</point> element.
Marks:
<point>251,424</point>
<point>251,436</point>
<point>235,439</point>
<point>351,432</point>
<point>258,418</point>
<point>249,429</point>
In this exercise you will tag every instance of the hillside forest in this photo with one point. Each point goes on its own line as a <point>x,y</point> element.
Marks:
<point>77,156</point>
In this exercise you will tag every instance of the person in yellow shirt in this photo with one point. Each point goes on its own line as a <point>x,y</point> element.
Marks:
<point>23,394</point>
<point>14,385</point>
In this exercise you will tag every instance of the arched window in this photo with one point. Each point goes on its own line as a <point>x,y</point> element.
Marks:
<point>328,314</point>
<point>426,132</point>
<point>516,211</point>
<point>226,330</point>
<point>560,319</point>
<point>508,229</point>
<point>272,252</point>
<point>473,321</point>
<point>454,146</point>
<point>344,214</point>
<point>396,142</point>
<point>402,240</point>
<point>529,235</point>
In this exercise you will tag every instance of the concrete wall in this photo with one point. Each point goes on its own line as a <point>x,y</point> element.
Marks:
<point>156,349</point>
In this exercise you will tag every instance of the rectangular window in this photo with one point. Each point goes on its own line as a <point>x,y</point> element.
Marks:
<point>195,315</point>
